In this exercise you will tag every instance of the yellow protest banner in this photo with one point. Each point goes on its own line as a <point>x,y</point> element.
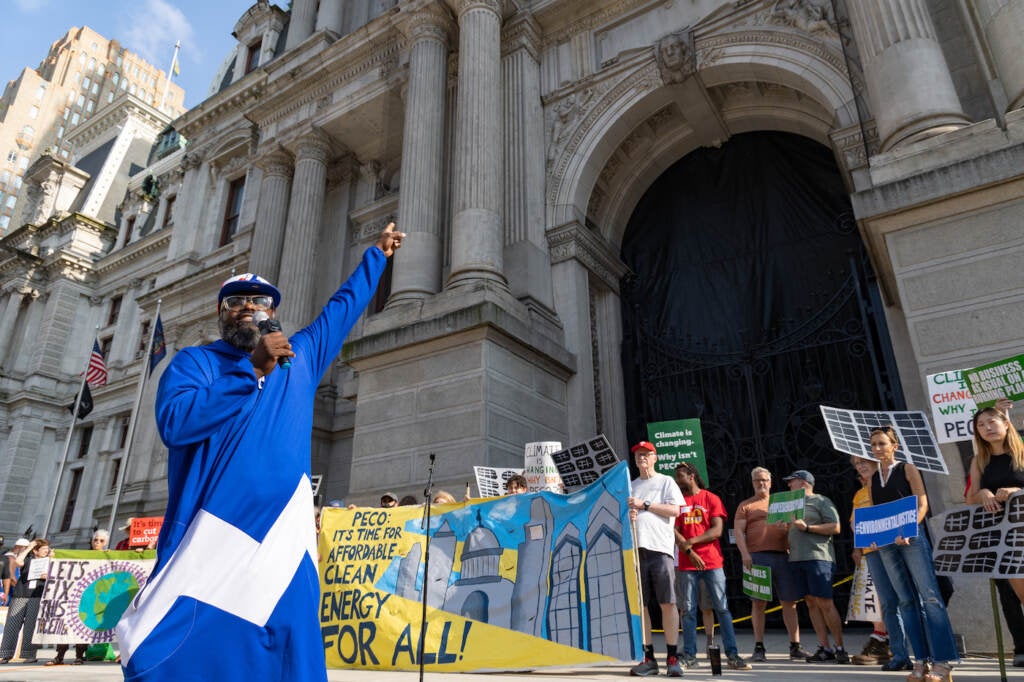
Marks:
<point>523,581</point>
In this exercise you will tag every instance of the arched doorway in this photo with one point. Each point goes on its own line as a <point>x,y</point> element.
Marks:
<point>751,302</point>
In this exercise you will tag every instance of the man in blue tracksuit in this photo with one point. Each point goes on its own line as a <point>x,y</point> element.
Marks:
<point>234,594</point>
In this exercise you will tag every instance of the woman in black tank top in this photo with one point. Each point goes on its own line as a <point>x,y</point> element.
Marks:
<point>997,472</point>
<point>909,567</point>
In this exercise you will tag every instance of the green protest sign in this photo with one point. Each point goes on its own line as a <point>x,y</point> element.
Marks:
<point>757,582</point>
<point>1003,379</point>
<point>786,507</point>
<point>678,441</point>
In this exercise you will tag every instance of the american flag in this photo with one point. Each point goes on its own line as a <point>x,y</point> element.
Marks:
<point>96,375</point>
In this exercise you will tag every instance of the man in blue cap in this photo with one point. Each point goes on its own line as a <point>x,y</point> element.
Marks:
<point>813,560</point>
<point>234,592</point>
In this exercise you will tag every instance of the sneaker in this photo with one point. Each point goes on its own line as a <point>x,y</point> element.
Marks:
<point>689,661</point>
<point>875,651</point>
<point>894,665</point>
<point>759,655</point>
<point>673,669</point>
<point>646,669</point>
<point>841,656</point>
<point>1018,661</point>
<point>798,653</point>
<point>736,662</point>
<point>821,656</point>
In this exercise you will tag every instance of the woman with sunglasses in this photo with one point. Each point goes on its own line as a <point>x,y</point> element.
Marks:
<point>997,472</point>
<point>908,565</point>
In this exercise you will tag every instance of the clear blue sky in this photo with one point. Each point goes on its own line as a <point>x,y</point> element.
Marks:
<point>146,27</point>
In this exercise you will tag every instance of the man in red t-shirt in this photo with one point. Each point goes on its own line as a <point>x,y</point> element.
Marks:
<point>698,527</point>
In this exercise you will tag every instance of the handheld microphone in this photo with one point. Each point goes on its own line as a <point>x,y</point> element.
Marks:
<point>269,326</point>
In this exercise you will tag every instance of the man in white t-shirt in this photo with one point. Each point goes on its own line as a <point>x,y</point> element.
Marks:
<point>653,506</point>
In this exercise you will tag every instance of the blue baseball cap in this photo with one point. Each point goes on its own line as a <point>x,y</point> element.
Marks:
<point>248,285</point>
<point>802,474</point>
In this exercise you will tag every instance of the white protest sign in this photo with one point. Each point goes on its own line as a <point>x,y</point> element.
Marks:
<point>490,481</point>
<point>864,604</point>
<point>539,469</point>
<point>952,406</point>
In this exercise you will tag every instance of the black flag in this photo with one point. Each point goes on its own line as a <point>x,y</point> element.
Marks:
<point>84,405</point>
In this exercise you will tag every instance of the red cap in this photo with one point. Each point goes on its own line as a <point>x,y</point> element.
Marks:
<point>643,445</point>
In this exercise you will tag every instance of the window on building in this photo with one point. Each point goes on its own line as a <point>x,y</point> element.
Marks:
<point>81,58</point>
<point>89,106</point>
<point>75,118</point>
<point>115,472</point>
<point>119,60</point>
<point>65,153</point>
<point>5,177</point>
<point>80,101</point>
<point>23,162</point>
<point>124,84</point>
<point>92,63</point>
<point>252,59</point>
<point>60,132</point>
<point>115,310</point>
<point>169,212</point>
<point>12,157</point>
<point>96,88</point>
<point>129,227</point>
<point>86,83</point>
<point>143,338</point>
<point>122,439</point>
<point>40,91</point>
<point>33,113</point>
<point>16,181</point>
<point>132,88</point>
<point>28,132</point>
<point>143,95</point>
<point>105,344</point>
<point>101,70</point>
<point>115,78</point>
<point>84,442</point>
<point>71,96</point>
<point>67,112</point>
<point>110,97</point>
<point>5,220</point>
<point>72,499</point>
<point>11,200</point>
<point>232,211</point>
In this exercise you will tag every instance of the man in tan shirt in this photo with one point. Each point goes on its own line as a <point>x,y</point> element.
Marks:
<point>762,544</point>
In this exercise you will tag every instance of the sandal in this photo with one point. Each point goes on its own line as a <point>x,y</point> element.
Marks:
<point>920,670</point>
<point>78,661</point>
<point>939,672</point>
<point>56,661</point>
<point>4,661</point>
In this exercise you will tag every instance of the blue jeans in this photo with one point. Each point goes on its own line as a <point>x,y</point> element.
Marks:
<point>925,620</point>
<point>714,581</point>
<point>889,603</point>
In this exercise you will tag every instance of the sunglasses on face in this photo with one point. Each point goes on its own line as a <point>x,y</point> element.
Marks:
<point>236,302</point>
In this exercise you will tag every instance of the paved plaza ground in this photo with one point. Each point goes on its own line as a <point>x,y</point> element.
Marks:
<point>778,668</point>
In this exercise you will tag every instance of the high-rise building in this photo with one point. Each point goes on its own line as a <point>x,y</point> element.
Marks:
<point>82,73</point>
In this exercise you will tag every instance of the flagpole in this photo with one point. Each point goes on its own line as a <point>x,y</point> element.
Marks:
<point>67,441</point>
<point>170,75</point>
<point>143,378</point>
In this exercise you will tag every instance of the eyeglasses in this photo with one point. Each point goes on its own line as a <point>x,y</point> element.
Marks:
<point>236,302</point>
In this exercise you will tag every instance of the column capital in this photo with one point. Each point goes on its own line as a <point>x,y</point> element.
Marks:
<point>314,144</point>
<point>522,31</point>
<point>277,162</point>
<point>433,22</point>
<point>463,6</point>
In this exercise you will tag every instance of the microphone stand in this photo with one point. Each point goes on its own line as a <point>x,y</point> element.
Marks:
<point>427,492</point>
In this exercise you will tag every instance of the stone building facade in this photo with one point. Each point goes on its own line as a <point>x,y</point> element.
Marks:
<point>512,141</point>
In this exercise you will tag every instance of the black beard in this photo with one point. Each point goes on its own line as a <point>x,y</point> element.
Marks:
<point>241,335</point>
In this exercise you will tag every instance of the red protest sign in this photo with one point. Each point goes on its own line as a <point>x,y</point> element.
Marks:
<point>144,531</point>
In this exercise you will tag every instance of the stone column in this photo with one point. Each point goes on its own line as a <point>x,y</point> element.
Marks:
<point>909,85</point>
<point>330,16</point>
<point>8,322</point>
<point>417,268</point>
<point>305,215</point>
<point>1003,22</point>
<point>302,22</point>
<point>477,239</point>
<point>272,215</point>
<point>526,261</point>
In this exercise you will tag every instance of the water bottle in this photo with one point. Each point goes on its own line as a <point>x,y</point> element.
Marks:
<point>715,658</point>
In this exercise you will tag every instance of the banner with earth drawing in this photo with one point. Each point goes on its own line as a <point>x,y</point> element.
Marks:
<point>86,592</point>
<point>522,581</point>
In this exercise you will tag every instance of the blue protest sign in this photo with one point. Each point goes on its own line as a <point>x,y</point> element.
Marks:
<point>883,523</point>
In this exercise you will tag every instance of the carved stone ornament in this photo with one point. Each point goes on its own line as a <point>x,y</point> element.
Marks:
<point>675,57</point>
<point>463,6</point>
<point>811,16</point>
